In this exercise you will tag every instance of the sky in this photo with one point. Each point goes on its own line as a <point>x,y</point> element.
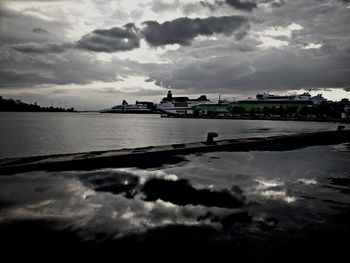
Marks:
<point>92,54</point>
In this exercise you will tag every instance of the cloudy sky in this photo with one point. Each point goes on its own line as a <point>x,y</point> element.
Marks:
<point>92,54</point>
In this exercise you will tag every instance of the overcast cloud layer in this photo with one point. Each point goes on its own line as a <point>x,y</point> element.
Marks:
<point>93,54</point>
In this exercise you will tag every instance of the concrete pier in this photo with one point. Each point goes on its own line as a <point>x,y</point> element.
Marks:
<point>153,156</point>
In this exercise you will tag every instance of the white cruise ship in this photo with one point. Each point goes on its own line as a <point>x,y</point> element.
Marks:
<point>138,107</point>
<point>180,105</point>
<point>305,97</point>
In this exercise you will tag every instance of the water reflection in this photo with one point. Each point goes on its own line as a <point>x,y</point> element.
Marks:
<point>98,204</point>
<point>307,181</point>
<point>272,189</point>
<point>238,198</point>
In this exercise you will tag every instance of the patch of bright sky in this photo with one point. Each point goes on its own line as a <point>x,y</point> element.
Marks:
<point>85,16</point>
<point>268,37</point>
<point>140,11</point>
<point>269,42</point>
<point>282,31</point>
<point>130,5</point>
<point>130,84</point>
<point>145,54</point>
<point>92,96</point>
<point>277,31</point>
<point>203,38</point>
<point>38,15</point>
<point>312,46</point>
<point>270,4</point>
<point>82,16</point>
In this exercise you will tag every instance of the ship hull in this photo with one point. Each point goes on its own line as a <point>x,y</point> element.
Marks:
<point>128,111</point>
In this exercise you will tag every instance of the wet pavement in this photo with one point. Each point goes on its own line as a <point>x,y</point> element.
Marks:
<point>253,206</point>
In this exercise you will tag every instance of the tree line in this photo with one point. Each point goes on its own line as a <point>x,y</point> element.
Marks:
<point>17,105</point>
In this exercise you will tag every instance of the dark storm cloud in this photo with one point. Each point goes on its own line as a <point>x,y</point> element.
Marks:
<point>287,70</point>
<point>27,69</point>
<point>183,30</point>
<point>159,6</point>
<point>276,70</point>
<point>42,47</point>
<point>179,31</point>
<point>215,66</point>
<point>149,80</point>
<point>242,5</point>
<point>39,30</point>
<point>211,6</point>
<point>111,40</point>
<point>11,78</point>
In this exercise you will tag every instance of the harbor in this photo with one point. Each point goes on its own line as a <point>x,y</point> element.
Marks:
<point>266,106</point>
<point>157,155</point>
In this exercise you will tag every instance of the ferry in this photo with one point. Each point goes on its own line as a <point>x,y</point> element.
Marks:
<point>125,107</point>
<point>295,98</point>
<point>261,101</point>
<point>180,105</point>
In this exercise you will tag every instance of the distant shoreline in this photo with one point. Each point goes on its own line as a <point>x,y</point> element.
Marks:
<point>260,118</point>
<point>197,117</point>
<point>11,105</point>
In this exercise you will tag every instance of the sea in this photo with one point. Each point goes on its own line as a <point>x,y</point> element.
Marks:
<point>252,206</point>
<point>27,134</point>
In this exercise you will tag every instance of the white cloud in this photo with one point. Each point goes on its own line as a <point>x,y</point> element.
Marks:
<point>312,46</point>
<point>294,27</point>
<point>268,42</point>
<point>39,15</point>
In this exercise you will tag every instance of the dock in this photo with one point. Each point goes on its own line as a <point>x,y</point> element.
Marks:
<point>154,156</point>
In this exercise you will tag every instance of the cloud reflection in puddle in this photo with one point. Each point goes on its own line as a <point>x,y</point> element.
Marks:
<point>307,181</point>
<point>272,189</point>
<point>70,200</point>
<point>111,201</point>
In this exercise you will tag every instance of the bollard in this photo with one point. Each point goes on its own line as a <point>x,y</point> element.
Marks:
<point>210,137</point>
<point>341,127</point>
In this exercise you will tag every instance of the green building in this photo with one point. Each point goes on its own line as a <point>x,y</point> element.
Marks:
<point>276,106</point>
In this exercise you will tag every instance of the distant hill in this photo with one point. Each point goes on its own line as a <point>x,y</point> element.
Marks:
<point>17,105</point>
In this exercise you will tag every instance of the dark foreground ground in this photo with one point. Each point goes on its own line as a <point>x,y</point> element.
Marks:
<point>255,206</point>
<point>177,243</point>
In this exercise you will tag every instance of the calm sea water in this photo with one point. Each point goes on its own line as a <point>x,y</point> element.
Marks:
<point>26,134</point>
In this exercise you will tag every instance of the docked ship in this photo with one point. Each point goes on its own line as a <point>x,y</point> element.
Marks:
<point>292,98</point>
<point>180,105</point>
<point>267,100</point>
<point>261,101</point>
<point>125,107</point>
